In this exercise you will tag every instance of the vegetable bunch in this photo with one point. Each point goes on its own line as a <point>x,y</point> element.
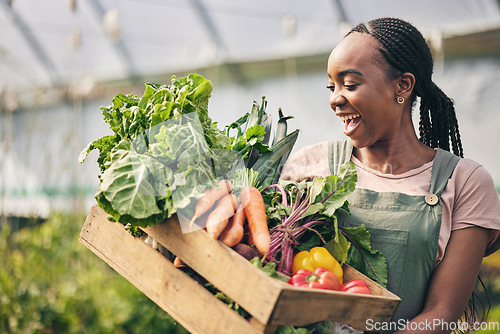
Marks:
<point>303,215</point>
<point>223,214</point>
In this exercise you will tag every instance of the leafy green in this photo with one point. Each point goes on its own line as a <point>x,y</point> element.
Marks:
<point>41,293</point>
<point>303,215</point>
<point>362,257</point>
<point>160,157</point>
<point>252,142</point>
<point>219,294</point>
<point>336,188</point>
<point>165,151</point>
<point>339,246</point>
<point>232,304</point>
<point>269,268</point>
<point>133,185</point>
<point>243,177</point>
<point>291,330</point>
<point>130,117</point>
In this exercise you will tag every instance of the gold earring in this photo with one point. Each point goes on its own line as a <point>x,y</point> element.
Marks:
<point>400,99</point>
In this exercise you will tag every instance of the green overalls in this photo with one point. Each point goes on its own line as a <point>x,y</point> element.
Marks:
<point>404,228</point>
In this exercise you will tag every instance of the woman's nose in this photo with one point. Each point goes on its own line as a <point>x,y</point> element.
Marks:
<point>336,99</point>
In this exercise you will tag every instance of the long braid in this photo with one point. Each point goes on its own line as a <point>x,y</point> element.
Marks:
<point>405,49</point>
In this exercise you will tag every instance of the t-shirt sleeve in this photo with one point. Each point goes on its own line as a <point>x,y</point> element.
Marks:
<point>307,163</point>
<point>478,204</point>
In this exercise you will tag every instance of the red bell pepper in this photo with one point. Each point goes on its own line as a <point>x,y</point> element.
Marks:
<point>356,286</point>
<point>321,279</point>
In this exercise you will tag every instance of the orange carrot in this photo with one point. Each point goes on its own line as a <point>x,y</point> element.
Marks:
<point>210,196</point>
<point>255,210</point>
<point>233,233</point>
<point>218,219</point>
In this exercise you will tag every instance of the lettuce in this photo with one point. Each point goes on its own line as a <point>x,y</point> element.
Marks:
<point>159,158</point>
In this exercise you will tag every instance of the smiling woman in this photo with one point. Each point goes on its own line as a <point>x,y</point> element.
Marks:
<point>420,202</point>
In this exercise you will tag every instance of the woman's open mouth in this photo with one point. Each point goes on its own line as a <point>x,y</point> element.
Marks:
<point>351,123</point>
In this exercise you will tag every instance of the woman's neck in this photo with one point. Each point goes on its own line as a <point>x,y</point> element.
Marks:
<point>395,156</point>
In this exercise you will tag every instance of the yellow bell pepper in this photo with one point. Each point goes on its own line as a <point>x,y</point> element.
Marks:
<point>317,257</point>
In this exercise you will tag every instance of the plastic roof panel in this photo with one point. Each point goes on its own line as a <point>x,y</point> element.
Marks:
<point>53,43</point>
<point>165,34</point>
<point>275,28</point>
<point>450,15</point>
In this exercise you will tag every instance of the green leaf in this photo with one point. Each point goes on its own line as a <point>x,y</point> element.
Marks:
<point>256,132</point>
<point>269,268</point>
<point>244,177</point>
<point>313,209</point>
<point>202,88</point>
<point>339,246</point>
<point>104,145</point>
<point>126,186</point>
<point>362,257</point>
<point>317,186</point>
<point>337,188</point>
<point>169,127</point>
<point>148,92</point>
<point>237,125</point>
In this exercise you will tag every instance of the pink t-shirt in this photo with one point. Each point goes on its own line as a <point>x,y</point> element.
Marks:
<point>469,199</point>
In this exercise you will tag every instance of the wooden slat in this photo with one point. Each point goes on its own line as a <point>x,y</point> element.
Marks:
<point>330,305</point>
<point>269,301</point>
<point>352,309</point>
<point>174,291</point>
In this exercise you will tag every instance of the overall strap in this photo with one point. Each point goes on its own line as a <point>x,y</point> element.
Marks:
<point>442,169</point>
<point>339,152</point>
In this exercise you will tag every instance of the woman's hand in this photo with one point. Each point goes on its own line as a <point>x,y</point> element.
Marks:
<point>452,283</point>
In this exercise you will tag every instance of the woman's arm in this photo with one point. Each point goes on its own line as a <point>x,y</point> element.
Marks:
<point>452,283</point>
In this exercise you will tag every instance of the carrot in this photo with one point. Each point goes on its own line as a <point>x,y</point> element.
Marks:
<point>233,233</point>
<point>218,219</point>
<point>255,210</point>
<point>210,196</point>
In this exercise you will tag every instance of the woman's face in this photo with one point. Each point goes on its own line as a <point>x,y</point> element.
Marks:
<point>362,94</point>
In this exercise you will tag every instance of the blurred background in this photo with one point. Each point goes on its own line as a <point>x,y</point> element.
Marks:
<point>61,60</point>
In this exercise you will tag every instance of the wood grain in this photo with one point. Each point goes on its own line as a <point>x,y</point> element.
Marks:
<point>269,301</point>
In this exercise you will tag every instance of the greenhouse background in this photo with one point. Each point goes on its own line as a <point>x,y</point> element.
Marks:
<point>61,60</point>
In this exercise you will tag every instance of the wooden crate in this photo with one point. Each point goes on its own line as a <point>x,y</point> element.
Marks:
<point>269,301</point>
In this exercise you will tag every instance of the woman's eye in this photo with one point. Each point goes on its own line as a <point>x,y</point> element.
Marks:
<point>348,87</point>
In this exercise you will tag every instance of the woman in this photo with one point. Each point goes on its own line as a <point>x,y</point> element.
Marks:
<point>433,214</point>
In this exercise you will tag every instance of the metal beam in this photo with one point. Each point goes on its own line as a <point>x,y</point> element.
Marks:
<point>340,10</point>
<point>118,45</point>
<point>33,43</point>
<point>205,17</point>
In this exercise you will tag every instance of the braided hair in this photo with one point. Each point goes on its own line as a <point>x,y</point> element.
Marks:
<point>405,50</point>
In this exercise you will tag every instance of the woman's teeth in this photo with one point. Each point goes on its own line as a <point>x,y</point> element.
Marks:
<point>345,118</point>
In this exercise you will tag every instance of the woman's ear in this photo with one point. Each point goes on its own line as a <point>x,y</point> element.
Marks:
<point>405,85</point>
